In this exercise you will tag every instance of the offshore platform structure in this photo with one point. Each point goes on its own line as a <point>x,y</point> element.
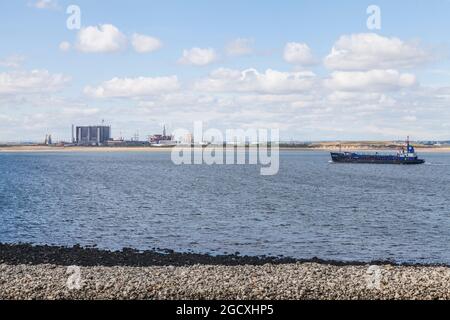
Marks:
<point>91,135</point>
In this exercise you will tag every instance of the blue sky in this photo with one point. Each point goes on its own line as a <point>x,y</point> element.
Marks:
<point>383,84</point>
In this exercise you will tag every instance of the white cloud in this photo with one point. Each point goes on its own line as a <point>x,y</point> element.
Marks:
<point>250,80</point>
<point>134,87</point>
<point>36,81</point>
<point>14,61</point>
<point>72,112</point>
<point>349,98</point>
<point>45,4</point>
<point>298,53</point>
<point>240,47</point>
<point>199,56</point>
<point>373,80</point>
<point>143,44</point>
<point>64,46</point>
<point>371,51</point>
<point>98,39</point>
<point>410,118</point>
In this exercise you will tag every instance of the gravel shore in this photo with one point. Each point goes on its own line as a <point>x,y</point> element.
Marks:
<point>290,281</point>
<point>30,278</point>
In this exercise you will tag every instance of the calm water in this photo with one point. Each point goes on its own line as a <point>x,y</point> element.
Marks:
<point>311,208</point>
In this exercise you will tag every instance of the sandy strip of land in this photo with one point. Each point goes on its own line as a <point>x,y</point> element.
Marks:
<point>42,149</point>
<point>301,281</point>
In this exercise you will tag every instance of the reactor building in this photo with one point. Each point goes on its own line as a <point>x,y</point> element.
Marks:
<point>91,135</point>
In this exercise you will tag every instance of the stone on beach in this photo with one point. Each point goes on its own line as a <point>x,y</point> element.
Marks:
<point>45,272</point>
<point>288,281</point>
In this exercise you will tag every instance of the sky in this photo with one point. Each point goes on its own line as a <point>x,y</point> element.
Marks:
<point>316,70</point>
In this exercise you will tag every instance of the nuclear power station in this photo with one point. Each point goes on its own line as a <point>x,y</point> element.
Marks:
<point>101,136</point>
<point>91,135</point>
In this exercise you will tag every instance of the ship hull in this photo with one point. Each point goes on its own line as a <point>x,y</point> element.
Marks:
<point>374,159</point>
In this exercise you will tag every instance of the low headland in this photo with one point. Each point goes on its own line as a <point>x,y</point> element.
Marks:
<point>319,146</point>
<point>47,272</point>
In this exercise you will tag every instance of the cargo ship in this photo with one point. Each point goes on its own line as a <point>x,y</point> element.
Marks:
<point>407,155</point>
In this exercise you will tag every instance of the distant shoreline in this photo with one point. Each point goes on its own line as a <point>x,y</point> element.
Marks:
<point>322,148</point>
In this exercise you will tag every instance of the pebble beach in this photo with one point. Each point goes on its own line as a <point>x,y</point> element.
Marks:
<point>39,273</point>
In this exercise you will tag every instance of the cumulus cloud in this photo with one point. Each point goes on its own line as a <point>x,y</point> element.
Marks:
<point>371,51</point>
<point>345,98</point>
<point>36,81</point>
<point>73,112</point>
<point>198,56</point>
<point>373,80</point>
<point>144,44</point>
<point>133,87</point>
<point>14,61</point>
<point>102,38</point>
<point>298,53</point>
<point>45,4</point>
<point>108,38</point>
<point>240,47</point>
<point>250,80</point>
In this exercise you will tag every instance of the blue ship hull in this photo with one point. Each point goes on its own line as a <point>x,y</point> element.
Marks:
<point>347,157</point>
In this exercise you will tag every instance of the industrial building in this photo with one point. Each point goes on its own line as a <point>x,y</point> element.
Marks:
<point>91,135</point>
<point>163,140</point>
